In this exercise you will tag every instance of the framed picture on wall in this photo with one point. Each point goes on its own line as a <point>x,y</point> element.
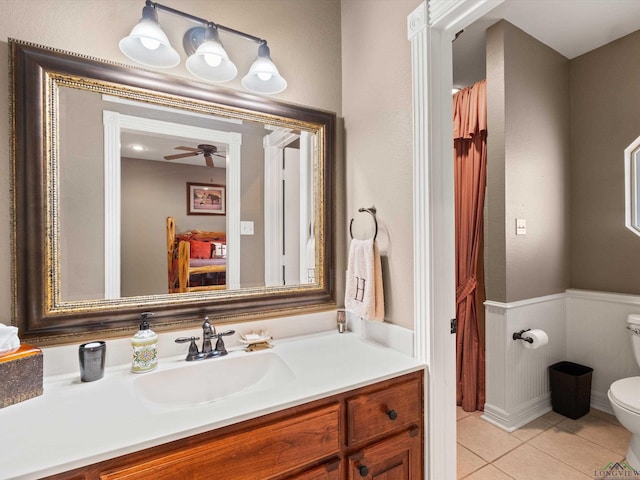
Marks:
<point>206,199</point>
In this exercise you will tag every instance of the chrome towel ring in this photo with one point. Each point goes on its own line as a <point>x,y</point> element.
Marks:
<point>371,211</point>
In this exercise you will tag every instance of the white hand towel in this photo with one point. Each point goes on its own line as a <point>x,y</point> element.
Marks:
<point>364,295</point>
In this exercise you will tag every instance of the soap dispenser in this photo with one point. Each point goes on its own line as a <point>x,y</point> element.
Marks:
<point>145,347</point>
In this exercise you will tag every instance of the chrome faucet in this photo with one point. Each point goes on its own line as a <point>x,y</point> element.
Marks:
<point>208,331</point>
<point>208,334</point>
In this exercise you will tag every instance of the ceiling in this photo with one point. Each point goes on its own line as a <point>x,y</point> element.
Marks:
<point>571,27</point>
<point>156,147</point>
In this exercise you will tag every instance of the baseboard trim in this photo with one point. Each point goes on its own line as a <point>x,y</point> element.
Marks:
<point>533,410</point>
<point>600,401</point>
<point>524,414</point>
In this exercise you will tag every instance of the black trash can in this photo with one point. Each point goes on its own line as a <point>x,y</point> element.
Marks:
<point>570,389</point>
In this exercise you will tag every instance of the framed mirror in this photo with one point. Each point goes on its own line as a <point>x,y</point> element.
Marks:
<point>134,191</point>
<point>632,186</point>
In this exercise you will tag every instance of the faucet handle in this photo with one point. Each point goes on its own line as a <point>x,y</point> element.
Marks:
<point>225,333</point>
<point>220,348</point>
<point>193,348</point>
<point>186,339</point>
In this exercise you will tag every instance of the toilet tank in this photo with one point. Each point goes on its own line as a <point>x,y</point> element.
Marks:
<point>633,324</point>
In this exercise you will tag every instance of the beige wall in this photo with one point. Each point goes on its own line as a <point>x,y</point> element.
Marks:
<point>304,37</point>
<point>376,91</point>
<point>528,167</point>
<point>81,196</point>
<point>549,116</point>
<point>605,120</point>
<point>252,188</point>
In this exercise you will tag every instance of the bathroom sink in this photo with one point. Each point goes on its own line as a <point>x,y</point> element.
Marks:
<point>213,379</point>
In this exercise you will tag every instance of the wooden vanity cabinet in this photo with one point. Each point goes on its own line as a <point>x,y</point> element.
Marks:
<point>373,432</point>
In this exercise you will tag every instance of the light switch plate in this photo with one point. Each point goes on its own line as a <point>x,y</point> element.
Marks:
<point>521,226</point>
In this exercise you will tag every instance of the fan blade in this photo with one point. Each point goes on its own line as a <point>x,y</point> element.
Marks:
<point>218,155</point>
<point>191,149</point>
<point>181,155</point>
<point>209,160</point>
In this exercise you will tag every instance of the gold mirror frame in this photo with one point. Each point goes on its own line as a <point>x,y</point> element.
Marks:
<point>42,318</point>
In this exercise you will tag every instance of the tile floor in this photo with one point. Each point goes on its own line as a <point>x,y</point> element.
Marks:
<point>552,447</point>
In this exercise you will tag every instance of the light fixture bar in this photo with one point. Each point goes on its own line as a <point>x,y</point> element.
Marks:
<point>238,33</point>
<point>173,11</point>
<point>205,22</point>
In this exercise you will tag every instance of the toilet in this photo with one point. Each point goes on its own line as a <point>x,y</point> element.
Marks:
<point>624,396</point>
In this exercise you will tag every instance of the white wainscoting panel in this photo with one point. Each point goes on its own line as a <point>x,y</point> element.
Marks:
<point>597,337</point>
<point>584,327</point>
<point>517,377</point>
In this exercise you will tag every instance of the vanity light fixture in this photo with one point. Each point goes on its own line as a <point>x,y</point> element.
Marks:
<point>207,59</point>
<point>147,43</point>
<point>264,74</point>
<point>210,61</point>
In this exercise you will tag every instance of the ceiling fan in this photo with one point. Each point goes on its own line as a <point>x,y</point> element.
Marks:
<point>209,151</point>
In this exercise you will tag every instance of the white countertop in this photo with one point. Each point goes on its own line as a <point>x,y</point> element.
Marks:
<point>75,424</point>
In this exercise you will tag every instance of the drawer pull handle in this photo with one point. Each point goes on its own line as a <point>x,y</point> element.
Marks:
<point>392,414</point>
<point>364,470</point>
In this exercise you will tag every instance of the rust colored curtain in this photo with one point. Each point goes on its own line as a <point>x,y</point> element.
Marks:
<point>470,172</point>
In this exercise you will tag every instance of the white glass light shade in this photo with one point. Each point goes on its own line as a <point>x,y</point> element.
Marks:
<point>148,45</point>
<point>211,62</point>
<point>263,77</point>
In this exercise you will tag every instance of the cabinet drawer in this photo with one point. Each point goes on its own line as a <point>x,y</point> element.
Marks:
<point>396,457</point>
<point>376,413</point>
<point>263,452</point>
<point>328,471</point>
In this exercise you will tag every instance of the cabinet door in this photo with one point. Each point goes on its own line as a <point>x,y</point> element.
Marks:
<point>264,452</point>
<point>396,458</point>
<point>328,471</point>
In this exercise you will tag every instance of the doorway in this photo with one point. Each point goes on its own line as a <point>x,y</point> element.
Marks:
<point>434,278</point>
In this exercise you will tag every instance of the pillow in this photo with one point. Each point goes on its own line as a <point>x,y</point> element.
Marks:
<point>219,250</point>
<point>200,249</point>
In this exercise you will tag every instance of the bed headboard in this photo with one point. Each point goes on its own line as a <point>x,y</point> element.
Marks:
<point>202,236</point>
<point>216,248</point>
<point>173,238</point>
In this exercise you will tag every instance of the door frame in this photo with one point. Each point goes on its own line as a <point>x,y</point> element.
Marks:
<point>431,30</point>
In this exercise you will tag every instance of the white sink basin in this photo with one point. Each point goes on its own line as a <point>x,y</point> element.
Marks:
<point>209,380</point>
